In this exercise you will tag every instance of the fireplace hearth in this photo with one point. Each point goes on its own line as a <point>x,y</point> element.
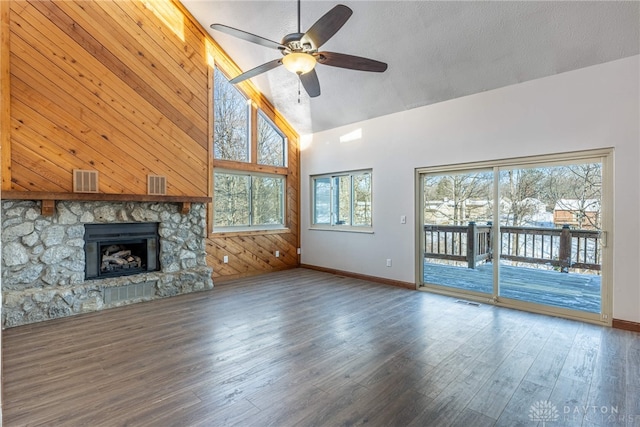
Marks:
<point>120,249</point>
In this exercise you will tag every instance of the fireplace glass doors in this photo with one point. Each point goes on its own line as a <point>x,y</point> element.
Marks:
<point>122,249</point>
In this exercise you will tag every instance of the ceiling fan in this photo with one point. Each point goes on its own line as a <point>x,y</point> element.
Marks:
<point>300,50</point>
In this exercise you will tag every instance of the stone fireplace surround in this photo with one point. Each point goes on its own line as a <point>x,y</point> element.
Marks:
<point>43,260</point>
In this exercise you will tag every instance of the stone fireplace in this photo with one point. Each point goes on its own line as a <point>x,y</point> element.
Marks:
<point>52,266</point>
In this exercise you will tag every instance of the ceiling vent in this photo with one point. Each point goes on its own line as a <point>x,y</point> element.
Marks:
<point>156,185</point>
<point>85,181</point>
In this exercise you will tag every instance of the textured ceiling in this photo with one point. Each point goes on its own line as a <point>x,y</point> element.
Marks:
<point>435,50</point>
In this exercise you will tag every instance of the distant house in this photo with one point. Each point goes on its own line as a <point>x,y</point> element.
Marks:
<point>577,213</point>
<point>532,213</point>
<point>437,212</point>
<point>528,212</point>
<point>536,213</point>
<point>445,211</point>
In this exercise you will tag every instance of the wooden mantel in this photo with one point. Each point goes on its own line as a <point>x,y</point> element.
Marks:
<point>49,199</point>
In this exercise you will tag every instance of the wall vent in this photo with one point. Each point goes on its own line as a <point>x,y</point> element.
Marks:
<point>85,181</point>
<point>133,291</point>
<point>156,185</point>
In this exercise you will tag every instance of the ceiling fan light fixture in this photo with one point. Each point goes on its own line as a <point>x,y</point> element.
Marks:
<point>299,62</point>
<point>300,50</point>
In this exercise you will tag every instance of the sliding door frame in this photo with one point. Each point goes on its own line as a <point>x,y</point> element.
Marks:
<point>604,156</point>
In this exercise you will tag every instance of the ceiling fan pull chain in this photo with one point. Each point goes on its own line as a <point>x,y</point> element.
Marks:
<point>298,91</point>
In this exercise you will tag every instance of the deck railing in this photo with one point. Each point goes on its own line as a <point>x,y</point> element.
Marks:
<point>562,248</point>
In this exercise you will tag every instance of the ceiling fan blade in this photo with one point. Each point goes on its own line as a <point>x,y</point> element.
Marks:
<point>349,61</point>
<point>247,36</point>
<point>258,70</point>
<point>325,27</point>
<point>311,84</point>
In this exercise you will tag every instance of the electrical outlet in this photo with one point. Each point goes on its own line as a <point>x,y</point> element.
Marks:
<point>277,254</point>
<point>388,262</point>
<point>225,259</point>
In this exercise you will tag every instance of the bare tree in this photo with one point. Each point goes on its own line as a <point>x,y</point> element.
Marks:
<point>362,199</point>
<point>519,188</point>
<point>457,191</point>
<point>580,189</point>
<point>267,200</point>
<point>231,121</point>
<point>231,201</point>
<point>271,144</point>
<point>242,200</point>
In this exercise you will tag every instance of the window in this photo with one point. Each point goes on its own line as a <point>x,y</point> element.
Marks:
<point>271,143</point>
<point>245,139</point>
<point>342,200</point>
<point>231,122</point>
<point>248,200</point>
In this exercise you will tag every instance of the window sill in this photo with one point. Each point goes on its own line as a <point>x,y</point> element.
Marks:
<point>249,232</point>
<point>344,229</point>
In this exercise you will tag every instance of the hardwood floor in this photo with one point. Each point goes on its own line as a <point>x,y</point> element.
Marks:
<point>306,348</point>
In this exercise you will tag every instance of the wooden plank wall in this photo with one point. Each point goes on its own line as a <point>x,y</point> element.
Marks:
<point>124,88</point>
<point>91,89</point>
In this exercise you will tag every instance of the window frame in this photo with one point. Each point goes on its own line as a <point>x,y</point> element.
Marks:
<point>334,224</point>
<point>255,107</point>
<point>251,226</point>
<point>261,115</point>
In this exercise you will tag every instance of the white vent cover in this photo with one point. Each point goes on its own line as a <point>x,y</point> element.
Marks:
<point>156,185</point>
<point>85,181</point>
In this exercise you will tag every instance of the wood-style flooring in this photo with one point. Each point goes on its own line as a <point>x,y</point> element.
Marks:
<point>305,348</point>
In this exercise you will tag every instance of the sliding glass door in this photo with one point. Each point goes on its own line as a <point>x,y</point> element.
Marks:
<point>550,235</point>
<point>457,214</point>
<point>527,233</point>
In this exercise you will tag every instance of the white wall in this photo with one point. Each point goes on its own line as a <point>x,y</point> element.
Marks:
<point>594,107</point>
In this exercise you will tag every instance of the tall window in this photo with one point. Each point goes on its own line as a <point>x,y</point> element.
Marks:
<point>271,143</point>
<point>342,200</point>
<point>245,139</point>
<point>248,200</point>
<point>231,121</point>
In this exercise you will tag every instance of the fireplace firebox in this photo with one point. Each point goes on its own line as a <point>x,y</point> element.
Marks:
<point>120,249</point>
